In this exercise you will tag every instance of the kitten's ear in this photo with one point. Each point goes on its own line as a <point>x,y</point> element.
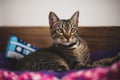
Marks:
<point>52,18</point>
<point>75,17</point>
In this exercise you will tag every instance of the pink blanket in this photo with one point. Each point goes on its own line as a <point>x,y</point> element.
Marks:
<point>99,73</point>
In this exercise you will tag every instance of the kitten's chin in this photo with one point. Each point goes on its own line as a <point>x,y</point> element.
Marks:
<point>68,45</point>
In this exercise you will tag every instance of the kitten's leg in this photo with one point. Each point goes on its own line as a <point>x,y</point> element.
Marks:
<point>81,65</point>
<point>101,62</point>
<point>105,61</point>
<point>61,69</point>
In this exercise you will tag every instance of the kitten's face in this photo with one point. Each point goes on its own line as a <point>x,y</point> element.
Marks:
<point>64,31</point>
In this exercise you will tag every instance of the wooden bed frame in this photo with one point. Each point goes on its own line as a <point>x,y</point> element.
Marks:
<point>98,38</point>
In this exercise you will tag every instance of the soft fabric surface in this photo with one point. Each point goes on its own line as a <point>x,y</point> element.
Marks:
<point>104,54</point>
<point>99,73</point>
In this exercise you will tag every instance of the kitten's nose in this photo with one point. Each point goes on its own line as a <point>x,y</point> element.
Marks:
<point>67,36</point>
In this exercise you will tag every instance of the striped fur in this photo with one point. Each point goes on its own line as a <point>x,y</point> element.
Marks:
<point>67,42</point>
<point>43,59</point>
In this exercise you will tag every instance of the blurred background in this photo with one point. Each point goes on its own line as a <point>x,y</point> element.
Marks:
<point>35,12</point>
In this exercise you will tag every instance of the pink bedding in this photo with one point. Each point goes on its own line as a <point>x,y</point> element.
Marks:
<point>99,73</point>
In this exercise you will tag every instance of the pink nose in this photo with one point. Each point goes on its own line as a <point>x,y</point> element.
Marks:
<point>67,36</point>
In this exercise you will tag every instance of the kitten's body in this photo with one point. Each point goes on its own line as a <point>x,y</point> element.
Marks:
<point>75,57</point>
<point>43,59</point>
<point>67,43</point>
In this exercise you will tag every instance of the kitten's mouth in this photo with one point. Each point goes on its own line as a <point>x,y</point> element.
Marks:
<point>69,45</point>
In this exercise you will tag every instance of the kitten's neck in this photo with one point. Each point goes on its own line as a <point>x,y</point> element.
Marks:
<point>71,46</point>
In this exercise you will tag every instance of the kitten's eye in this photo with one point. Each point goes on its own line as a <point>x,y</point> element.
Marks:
<point>73,30</point>
<point>59,31</point>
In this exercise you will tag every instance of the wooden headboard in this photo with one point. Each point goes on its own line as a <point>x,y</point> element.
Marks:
<point>98,38</point>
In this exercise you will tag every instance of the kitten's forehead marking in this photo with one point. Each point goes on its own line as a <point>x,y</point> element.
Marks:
<point>66,24</point>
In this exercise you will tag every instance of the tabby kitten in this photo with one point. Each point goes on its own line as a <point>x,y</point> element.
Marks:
<point>70,46</point>
<point>67,43</point>
<point>68,51</point>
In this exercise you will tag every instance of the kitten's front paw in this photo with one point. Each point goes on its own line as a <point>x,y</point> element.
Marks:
<point>61,69</point>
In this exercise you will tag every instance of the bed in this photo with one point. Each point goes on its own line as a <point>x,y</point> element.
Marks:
<point>103,41</point>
